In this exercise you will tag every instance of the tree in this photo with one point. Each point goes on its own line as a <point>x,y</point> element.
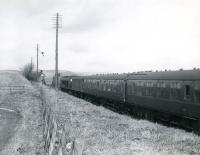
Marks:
<point>28,72</point>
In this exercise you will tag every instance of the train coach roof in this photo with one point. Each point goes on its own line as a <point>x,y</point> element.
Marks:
<point>165,75</point>
<point>106,77</point>
<point>168,75</point>
<point>69,77</point>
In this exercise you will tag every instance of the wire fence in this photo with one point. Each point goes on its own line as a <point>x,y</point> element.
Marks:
<point>57,141</point>
<point>13,88</point>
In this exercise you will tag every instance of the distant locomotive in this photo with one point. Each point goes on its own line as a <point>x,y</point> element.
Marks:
<point>170,95</point>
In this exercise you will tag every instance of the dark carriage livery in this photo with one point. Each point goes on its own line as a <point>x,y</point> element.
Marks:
<point>171,93</point>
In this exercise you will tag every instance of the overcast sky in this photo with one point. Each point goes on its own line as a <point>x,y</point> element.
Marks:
<point>102,35</point>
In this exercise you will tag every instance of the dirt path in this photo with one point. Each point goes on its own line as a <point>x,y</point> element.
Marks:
<point>8,123</point>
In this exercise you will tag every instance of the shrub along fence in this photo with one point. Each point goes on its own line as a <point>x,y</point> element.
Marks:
<point>57,141</point>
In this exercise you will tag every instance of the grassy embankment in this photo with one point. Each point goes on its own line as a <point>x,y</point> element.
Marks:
<point>103,132</point>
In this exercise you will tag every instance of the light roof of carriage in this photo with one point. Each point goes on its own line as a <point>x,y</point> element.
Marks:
<point>164,75</point>
<point>168,75</point>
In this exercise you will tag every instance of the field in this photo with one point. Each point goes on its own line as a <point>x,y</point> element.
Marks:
<point>27,138</point>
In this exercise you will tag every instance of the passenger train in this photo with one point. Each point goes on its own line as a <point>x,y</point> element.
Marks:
<point>172,96</point>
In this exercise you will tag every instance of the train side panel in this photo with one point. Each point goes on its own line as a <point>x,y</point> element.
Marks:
<point>110,89</point>
<point>172,96</point>
<point>65,83</point>
<point>77,84</point>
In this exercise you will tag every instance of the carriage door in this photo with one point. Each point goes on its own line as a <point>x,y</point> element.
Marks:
<point>125,90</point>
<point>197,92</point>
<point>67,85</point>
<point>188,90</point>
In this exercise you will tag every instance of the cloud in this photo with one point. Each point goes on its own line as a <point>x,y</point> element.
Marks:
<point>77,48</point>
<point>87,16</point>
<point>102,35</point>
<point>83,23</point>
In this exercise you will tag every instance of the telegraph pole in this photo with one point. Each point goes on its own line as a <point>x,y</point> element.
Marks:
<point>31,61</point>
<point>57,26</point>
<point>37,59</point>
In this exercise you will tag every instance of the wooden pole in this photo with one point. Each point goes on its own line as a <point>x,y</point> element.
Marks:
<point>37,59</point>
<point>56,55</point>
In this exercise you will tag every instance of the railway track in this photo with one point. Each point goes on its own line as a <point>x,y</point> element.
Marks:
<point>137,112</point>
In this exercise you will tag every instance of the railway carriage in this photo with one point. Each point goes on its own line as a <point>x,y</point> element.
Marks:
<point>66,82</point>
<point>106,86</point>
<point>172,93</point>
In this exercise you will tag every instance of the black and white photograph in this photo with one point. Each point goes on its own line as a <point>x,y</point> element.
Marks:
<point>99,77</point>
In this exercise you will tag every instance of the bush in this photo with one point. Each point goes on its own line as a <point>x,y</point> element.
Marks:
<point>28,72</point>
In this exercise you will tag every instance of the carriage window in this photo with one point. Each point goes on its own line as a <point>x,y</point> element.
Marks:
<point>178,86</point>
<point>187,90</point>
